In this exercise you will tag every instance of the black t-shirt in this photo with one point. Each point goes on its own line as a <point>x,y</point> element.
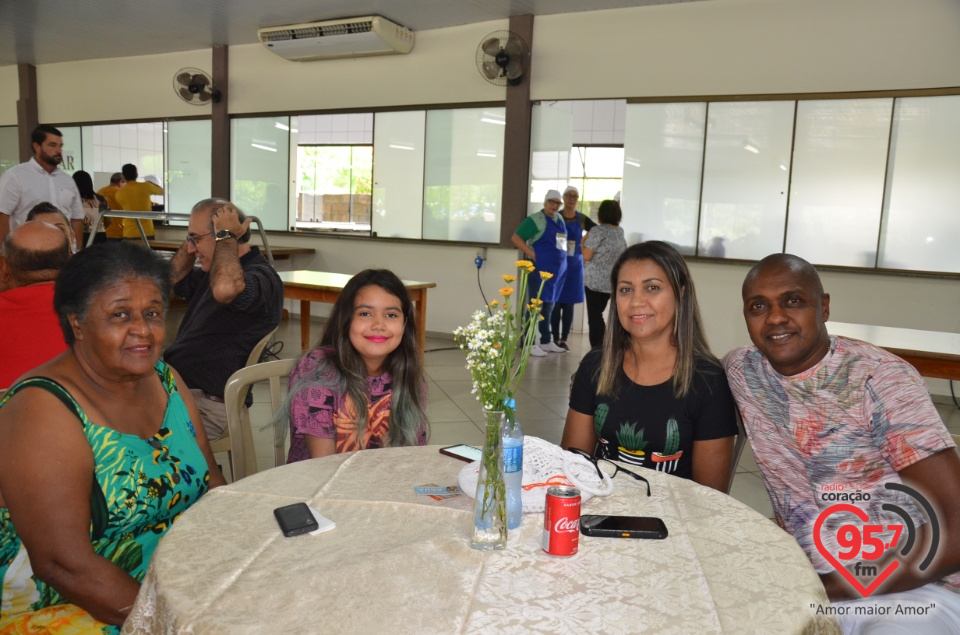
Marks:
<point>648,425</point>
<point>215,339</point>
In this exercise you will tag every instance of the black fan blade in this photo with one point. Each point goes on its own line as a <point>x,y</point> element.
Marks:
<point>186,94</point>
<point>491,70</point>
<point>491,47</point>
<point>184,78</point>
<point>204,95</point>
<point>200,80</point>
<point>514,69</point>
<point>513,47</point>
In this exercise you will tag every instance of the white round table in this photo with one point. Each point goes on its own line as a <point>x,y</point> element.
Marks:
<point>401,563</point>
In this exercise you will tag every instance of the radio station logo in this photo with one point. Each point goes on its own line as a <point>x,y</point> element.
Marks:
<point>861,542</point>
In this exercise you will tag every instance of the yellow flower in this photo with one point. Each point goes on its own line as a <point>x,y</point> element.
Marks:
<point>536,301</point>
<point>508,279</point>
<point>506,291</point>
<point>494,303</point>
<point>546,275</point>
<point>523,264</point>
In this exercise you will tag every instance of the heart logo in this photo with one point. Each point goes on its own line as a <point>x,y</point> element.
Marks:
<point>862,515</point>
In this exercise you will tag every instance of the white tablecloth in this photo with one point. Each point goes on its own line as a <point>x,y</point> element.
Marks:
<point>401,563</point>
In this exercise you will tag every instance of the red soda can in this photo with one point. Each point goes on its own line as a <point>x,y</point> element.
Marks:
<point>561,521</point>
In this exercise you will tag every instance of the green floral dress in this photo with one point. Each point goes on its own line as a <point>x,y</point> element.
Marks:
<point>144,485</point>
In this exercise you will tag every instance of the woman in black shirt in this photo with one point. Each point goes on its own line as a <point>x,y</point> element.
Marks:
<point>654,395</point>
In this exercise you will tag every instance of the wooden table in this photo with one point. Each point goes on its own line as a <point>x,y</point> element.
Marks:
<point>932,353</point>
<point>323,286</point>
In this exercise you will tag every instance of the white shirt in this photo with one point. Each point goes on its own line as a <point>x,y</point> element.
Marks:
<point>25,185</point>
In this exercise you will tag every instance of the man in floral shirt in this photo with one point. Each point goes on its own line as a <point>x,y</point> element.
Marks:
<point>827,415</point>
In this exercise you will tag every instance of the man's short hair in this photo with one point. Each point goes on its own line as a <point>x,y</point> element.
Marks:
<point>45,208</point>
<point>129,171</point>
<point>208,203</point>
<point>116,177</point>
<point>39,134</point>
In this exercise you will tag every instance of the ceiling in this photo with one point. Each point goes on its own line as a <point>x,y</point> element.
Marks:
<point>48,31</point>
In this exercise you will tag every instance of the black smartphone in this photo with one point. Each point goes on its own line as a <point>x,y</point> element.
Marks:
<point>295,519</point>
<point>623,526</point>
<point>463,452</point>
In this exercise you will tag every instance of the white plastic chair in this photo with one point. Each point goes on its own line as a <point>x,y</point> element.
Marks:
<point>223,443</point>
<point>243,454</point>
<point>737,448</point>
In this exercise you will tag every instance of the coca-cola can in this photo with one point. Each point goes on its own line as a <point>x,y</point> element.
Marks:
<point>561,521</point>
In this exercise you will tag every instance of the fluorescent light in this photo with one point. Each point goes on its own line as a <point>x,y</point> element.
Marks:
<point>399,146</point>
<point>783,167</point>
<point>635,164</point>
<point>257,145</point>
<point>486,153</point>
<point>751,148</point>
<point>281,126</point>
<point>499,122</point>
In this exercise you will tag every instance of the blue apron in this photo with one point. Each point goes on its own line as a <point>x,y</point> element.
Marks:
<point>572,290</point>
<point>550,258</point>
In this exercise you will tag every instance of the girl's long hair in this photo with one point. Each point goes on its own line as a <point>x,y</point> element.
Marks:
<point>688,335</point>
<point>342,369</point>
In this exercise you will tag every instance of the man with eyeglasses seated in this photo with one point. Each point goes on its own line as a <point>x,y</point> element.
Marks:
<point>837,421</point>
<point>235,299</point>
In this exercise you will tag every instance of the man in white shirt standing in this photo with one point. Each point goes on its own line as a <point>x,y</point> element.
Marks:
<point>39,180</point>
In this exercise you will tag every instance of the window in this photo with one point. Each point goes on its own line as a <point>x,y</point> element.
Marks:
<point>597,173</point>
<point>830,180</point>
<point>334,187</point>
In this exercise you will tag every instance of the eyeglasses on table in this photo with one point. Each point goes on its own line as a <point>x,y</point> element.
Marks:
<point>607,464</point>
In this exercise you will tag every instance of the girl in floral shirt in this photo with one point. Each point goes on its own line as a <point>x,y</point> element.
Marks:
<point>362,385</point>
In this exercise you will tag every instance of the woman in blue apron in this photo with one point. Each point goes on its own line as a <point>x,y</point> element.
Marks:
<point>571,293</point>
<point>542,237</point>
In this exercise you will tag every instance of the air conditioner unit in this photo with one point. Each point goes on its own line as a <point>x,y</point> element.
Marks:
<point>352,37</point>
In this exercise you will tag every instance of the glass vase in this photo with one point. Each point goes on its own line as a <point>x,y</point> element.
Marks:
<point>490,504</point>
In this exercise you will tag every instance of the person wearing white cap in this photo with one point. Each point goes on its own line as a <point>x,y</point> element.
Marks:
<point>571,293</point>
<point>542,237</point>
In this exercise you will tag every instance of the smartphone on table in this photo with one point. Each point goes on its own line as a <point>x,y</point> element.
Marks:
<point>295,519</point>
<point>463,452</point>
<point>623,526</point>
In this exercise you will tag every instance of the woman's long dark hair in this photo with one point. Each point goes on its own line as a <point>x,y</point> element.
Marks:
<point>84,184</point>
<point>688,335</point>
<point>343,370</point>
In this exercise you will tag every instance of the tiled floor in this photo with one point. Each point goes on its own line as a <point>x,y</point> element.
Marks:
<point>456,417</point>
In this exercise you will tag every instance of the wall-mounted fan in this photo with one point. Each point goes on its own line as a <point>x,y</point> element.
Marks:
<point>195,87</point>
<point>502,58</point>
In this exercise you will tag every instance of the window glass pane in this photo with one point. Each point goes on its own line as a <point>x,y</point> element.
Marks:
<point>260,168</point>
<point>463,174</point>
<point>72,149</point>
<point>604,168</point>
<point>551,136</point>
<point>334,187</point>
<point>106,148</point>
<point>189,155</point>
<point>346,129</point>
<point>398,144</point>
<point>744,199</point>
<point>663,156</point>
<point>9,148</point>
<point>836,190</point>
<point>921,224</point>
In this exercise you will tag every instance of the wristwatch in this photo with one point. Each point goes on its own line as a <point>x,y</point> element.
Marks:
<point>224,234</point>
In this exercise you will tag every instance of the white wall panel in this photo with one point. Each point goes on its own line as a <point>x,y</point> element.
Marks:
<point>729,47</point>
<point>117,89</point>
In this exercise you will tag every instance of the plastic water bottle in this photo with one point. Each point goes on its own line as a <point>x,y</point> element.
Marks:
<point>511,438</point>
